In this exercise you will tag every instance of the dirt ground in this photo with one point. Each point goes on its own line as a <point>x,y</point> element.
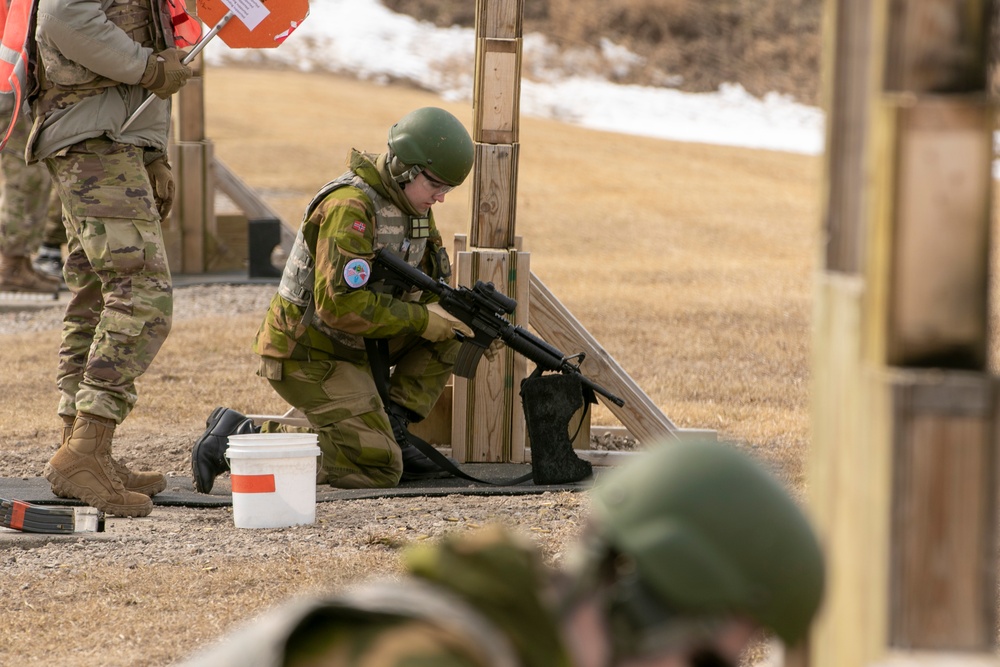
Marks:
<point>690,264</point>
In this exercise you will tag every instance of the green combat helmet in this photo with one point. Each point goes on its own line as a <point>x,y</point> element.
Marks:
<point>433,139</point>
<point>708,532</point>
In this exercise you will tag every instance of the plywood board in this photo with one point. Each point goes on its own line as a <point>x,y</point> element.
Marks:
<point>494,196</point>
<point>497,91</point>
<point>483,408</point>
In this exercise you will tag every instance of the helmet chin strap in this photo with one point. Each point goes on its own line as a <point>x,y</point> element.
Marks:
<point>402,173</point>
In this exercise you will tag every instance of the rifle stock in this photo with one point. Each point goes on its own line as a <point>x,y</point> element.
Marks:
<point>484,310</point>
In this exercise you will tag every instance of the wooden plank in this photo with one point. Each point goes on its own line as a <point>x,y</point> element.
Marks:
<point>494,193</point>
<point>436,427</point>
<point>173,237</point>
<point>849,469</point>
<point>484,427</point>
<point>193,204</point>
<point>847,35</point>
<point>463,398</point>
<point>943,583</point>
<point>937,46</point>
<point>938,659</point>
<point>248,201</point>
<point>190,109</point>
<point>497,91</point>
<point>519,286</point>
<point>556,325</point>
<point>941,221</point>
<point>499,18</point>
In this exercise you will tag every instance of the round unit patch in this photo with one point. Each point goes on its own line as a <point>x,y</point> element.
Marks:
<point>357,272</point>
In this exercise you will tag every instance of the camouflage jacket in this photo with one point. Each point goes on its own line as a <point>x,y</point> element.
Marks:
<point>91,56</point>
<point>325,304</point>
<point>474,600</point>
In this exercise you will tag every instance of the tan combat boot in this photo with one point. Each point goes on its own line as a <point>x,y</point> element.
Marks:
<point>146,483</point>
<point>83,469</point>
<point>17,275</point>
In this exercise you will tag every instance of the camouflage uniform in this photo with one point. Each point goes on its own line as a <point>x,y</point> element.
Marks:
<point>116,268</point>
<point>481,600</point>
<point>27,194</point>
<point>312,339</point>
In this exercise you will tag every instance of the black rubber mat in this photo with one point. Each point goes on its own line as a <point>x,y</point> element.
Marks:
<point>180,490</point>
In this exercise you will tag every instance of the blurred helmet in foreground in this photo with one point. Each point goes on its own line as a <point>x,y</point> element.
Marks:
<point>708,531</point>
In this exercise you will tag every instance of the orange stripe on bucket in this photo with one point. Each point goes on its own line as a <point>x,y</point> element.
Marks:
<point>17,515</point>
<point>252,483</point>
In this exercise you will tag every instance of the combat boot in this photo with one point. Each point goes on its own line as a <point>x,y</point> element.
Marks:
<point>146,483</point>
<point>416,465</point>
<point>83,469</point>
<point>208,457</point>
<point>49,262</point>
<point>17,275</point>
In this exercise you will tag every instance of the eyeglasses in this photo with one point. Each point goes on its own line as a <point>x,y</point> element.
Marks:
<point>437,187</point>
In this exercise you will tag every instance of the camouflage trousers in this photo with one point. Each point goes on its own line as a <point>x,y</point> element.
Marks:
<point>121,306</point>
<point>27,198</point>
<point>342,404</point>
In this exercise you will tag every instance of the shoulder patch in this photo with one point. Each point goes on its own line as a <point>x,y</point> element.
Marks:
<point>357,272</point>
<point>359,226</point>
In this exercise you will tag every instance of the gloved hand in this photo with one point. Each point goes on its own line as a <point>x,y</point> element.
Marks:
<point>493,350</point>
<point>162,180</point>
<point>165,73</point>
<point>442,325</point>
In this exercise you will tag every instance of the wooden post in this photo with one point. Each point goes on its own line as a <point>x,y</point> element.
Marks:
<point>191,232</point>
<point>487,420</point>
<point>903,465</point>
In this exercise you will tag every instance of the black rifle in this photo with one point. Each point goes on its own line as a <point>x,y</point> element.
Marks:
<point>483,309</point>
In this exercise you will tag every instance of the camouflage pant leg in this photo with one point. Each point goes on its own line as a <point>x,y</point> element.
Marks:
<point>25,198</point>
<point>79,325</point>
<point>116,269</point>
<point>54,233</point>
<point>341,403</point>
<point>422,369</point>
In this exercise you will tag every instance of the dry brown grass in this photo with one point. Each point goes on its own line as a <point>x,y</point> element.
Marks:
<point>691,264</point>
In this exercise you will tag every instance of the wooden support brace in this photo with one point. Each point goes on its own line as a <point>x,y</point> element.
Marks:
<point>555,324</point>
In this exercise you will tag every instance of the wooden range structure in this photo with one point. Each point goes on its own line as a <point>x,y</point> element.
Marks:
<point>485,416</point>
<point>903,468</point>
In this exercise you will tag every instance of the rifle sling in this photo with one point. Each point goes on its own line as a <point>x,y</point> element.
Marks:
<point>378,361</point>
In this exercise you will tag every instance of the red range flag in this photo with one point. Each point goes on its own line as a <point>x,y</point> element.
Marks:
<point>260,24</point>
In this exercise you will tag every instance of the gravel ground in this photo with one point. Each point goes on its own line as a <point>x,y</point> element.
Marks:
<point>177,555</point>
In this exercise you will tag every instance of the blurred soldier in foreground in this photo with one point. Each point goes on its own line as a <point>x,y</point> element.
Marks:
<point>691,550</point>
<point>24,206</point>
<point>333,331</point>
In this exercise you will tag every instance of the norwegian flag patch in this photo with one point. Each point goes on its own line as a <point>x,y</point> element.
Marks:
<point>359,226</point>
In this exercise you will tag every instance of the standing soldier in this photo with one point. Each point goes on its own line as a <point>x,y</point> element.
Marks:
<point>691,551</point>
<point>98,60</point>
<point>24,205</point>
<point>49,260</point>
<point>333,331</point>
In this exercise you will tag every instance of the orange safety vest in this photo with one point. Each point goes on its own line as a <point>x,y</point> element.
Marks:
<point>187,29</point>
<point>17,21</point>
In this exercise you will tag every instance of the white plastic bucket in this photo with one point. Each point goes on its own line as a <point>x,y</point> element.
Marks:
<point>273,477</point>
